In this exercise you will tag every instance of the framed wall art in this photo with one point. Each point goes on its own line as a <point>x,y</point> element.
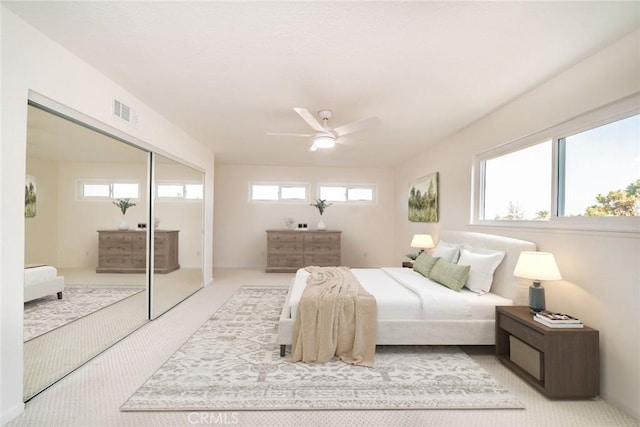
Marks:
<point>423,199</point>
<point>30,197</point>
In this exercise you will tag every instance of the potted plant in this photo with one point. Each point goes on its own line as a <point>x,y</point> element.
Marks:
<point>321,205</point>
<point>123,204</point>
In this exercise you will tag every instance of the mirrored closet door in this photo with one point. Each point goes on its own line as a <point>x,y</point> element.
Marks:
<point>74,232</point>
<point>178,233</point>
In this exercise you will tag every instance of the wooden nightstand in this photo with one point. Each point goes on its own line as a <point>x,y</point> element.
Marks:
<point>562,363</point>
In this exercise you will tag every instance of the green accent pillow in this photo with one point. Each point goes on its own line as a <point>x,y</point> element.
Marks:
<point>453,276</point>
<point>424,263</point>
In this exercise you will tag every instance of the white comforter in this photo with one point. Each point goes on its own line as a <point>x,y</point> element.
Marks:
<point>403,294</point>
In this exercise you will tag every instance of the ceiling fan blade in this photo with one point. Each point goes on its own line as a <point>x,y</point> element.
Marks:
<point>356,126</point>
<point>290,134</point>
<point>308,117</point>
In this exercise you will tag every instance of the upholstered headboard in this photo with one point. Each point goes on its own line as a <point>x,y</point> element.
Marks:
<point>504,282</point>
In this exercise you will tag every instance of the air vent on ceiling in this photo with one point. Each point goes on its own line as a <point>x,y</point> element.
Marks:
<point>124,113</point>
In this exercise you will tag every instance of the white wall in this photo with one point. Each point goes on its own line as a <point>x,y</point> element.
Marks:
<point>601,270</point>
<point>241,241</point>
<point>31,61</point>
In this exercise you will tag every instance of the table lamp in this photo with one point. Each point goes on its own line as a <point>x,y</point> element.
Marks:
<point>537,266</point>
<point>422,242</point>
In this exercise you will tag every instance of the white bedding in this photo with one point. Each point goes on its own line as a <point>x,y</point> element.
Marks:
<point>403,294</point>
<point>445,317</point>
<point>33,275</point>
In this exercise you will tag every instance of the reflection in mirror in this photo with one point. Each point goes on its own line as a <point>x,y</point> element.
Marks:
<point>178,224</point>
<point>72,312</point>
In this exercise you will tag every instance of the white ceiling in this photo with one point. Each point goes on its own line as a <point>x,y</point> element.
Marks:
<point>230,72</point>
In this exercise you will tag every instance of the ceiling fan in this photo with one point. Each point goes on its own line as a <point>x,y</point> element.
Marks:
<point>325,137</point>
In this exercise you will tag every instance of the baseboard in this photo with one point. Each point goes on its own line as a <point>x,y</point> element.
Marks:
<point>11,413</point>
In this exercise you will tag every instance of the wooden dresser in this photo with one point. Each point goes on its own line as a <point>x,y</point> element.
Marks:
<point>289,250</point>
<point>125,251</point>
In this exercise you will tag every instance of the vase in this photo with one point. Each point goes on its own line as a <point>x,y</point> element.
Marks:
<point>321,225</point>
<point>123,224</point>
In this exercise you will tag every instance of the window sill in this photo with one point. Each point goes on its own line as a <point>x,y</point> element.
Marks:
<point>622,227</point>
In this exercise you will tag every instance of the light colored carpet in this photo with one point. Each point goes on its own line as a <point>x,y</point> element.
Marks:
<point>51,356</point>
<point>232,363</point>
<point>92,395</point>
<point>45,314</point>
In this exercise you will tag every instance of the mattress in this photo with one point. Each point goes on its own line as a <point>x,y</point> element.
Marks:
<point>39,274</point>
<point>403,294</point>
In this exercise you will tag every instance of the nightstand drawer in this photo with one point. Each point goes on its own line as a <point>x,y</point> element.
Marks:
<point>524,333</point>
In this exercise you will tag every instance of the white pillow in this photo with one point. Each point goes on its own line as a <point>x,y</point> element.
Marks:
<point>448,251</point>
<point>483,263</point>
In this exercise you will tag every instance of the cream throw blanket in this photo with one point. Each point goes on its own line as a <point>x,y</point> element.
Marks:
<point>336,317</point>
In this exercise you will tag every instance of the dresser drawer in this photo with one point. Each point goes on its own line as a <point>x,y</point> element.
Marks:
<point>297,236</point>
<point>322,248</point>
<point>322,260</point>
<point>139,261</point>
<point>284,247</point>
<point>322,237</point>
<point>105,238</point>
<point>294,261</point>
<point>115,261</point>
<point>115,248</point>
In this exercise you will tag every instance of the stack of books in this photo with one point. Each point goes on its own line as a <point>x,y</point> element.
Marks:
<point>557,320</point>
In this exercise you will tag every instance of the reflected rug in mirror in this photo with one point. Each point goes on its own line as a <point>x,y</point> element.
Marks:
<point>45,314</point>
<point>233,363</point>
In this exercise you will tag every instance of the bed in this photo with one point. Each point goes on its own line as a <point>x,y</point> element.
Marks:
<point>444,317</point>
<point>41,281</point>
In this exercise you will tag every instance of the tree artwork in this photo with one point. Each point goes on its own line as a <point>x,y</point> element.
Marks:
<point>29,197</point>
<point>423,199</point>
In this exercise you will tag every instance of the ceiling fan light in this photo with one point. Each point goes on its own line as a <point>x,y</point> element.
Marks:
<point>324,141</point>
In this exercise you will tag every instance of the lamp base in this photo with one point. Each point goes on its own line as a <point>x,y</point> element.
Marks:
<point>536,297</point>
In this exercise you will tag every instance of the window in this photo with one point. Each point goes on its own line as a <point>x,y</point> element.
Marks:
<point>517,185</point>
<point>124,191</point>
<point>108,190</point>
<point>194,191</point>
<point>599,171</point>
<point>180,191</point>
<point>584,174</point>
<point>347,193</point>
<point>96,190</point>
<point>278,192</point>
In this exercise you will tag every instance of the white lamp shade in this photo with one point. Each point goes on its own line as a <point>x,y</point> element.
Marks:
<point>537,266</point>
<point>422,241</point>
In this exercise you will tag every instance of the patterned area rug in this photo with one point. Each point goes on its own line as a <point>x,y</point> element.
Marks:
<point>232,363</point>
<point>45,314</point>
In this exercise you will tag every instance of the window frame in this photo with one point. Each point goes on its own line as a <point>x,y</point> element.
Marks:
<point>347,187</point>
<point>280,185</point>
<point>618,110</point>
<point>182,184</point>
<point>80,183</point>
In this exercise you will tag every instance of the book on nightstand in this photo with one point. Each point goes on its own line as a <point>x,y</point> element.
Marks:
<point>557,320</point>
<point>556,317</point>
